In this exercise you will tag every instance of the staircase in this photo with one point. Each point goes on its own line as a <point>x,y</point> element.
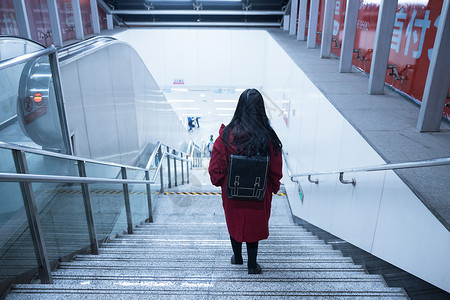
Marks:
<point>186,254</point>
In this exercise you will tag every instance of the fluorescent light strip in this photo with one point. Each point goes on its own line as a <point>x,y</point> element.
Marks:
<point>174,101</point>
<point>190,115</point>
<point>187,108</point>
<point>225,101</point>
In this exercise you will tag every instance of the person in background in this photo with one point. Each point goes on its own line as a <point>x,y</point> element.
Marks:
<point>210,145</point>
<point>191,123</point>
<point>248,133</point>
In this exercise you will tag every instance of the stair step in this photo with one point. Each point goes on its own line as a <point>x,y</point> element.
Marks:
<point>193,295</point>
<point>236,273</point>
<point>213,255</point>
<point>191,260</point>
<point>194,241</point>
<point>182,264</point>
<point>222,251</point>
<point>208,290</point>
<point>205,247</point>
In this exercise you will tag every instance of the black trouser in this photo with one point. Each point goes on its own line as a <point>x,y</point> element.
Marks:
<point>252,252</point>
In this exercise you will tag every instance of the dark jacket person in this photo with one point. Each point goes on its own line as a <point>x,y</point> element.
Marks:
<point>249,132</point>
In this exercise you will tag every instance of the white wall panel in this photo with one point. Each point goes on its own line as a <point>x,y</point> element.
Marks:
<point>328,138</point>
<point>201,57</point>
<point>407,232</point>
<point>150,45</point>
<point>214,58</point>
<point>74,104</point>
<point>139,82</point>
<point>97,95</point>
<point>380,214</point>
<point>356,209</point>
<point>321,199</point>
<point>181,56</point>
<point>124,102</point>
<point>356,152</point>
<point>247,55</point>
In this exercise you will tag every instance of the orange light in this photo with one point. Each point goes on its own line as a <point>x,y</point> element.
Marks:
<point>37,97</point>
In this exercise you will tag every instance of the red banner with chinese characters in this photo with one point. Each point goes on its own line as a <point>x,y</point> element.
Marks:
<point>415,28</point>
<point>66,19</point>
<point>86,16</point>
<point>39,21</point>
<point>8,21</point>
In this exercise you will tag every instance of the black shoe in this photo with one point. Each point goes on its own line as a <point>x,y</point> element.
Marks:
<point>235,261</point>
<point>256,270</point>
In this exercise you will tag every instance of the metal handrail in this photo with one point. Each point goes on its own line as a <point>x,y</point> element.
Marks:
<point>383,167</point>
<point>14,177</point>
<point>4,145</point>
<point>152,157</point>
<point>25,180</point>
<point>13,37</point>
<point>74,47</point>
<point>26,57</point>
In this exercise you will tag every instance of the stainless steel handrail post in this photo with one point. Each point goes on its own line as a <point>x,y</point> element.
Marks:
<point>149,198</point>
<point>34,221</point>
<point>169,182</point>
<point>187,169</point>
<point>88,209</point>
<point>182,171</point>
<point>54,67</point>
<point>161,175</point>
<point>175,167</point>
<point>126,196</point>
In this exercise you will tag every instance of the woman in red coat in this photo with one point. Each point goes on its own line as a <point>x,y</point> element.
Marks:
<point>249,133</point>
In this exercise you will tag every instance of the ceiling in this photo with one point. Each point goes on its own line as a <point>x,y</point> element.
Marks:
<point>227,13</point>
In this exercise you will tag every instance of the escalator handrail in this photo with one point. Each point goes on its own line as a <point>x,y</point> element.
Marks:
<point>26,57</point>
<point>13,37</point>
<point>81,47</point>
<point>9,146</point>
<point>153,156</point>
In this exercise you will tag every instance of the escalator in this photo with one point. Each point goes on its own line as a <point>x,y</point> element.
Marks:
<point>112,123</point>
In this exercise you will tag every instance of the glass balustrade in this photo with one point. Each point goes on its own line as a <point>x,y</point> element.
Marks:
<point>17,254</point>
<point>62,206</point>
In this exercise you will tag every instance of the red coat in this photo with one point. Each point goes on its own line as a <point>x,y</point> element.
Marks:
<point>247,221</point>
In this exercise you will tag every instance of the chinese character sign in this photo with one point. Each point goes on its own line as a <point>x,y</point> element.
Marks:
<point>413,36</point>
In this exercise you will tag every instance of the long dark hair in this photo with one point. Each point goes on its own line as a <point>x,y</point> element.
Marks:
<point>250,128</point>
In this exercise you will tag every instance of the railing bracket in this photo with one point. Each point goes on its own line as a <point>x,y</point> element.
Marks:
<point>316,181</point>
<point>341,179</point>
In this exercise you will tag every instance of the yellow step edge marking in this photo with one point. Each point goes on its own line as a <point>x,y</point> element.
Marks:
<point>157,193</point>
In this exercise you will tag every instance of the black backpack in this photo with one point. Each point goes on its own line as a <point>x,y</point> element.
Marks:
<point>247,177</point>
